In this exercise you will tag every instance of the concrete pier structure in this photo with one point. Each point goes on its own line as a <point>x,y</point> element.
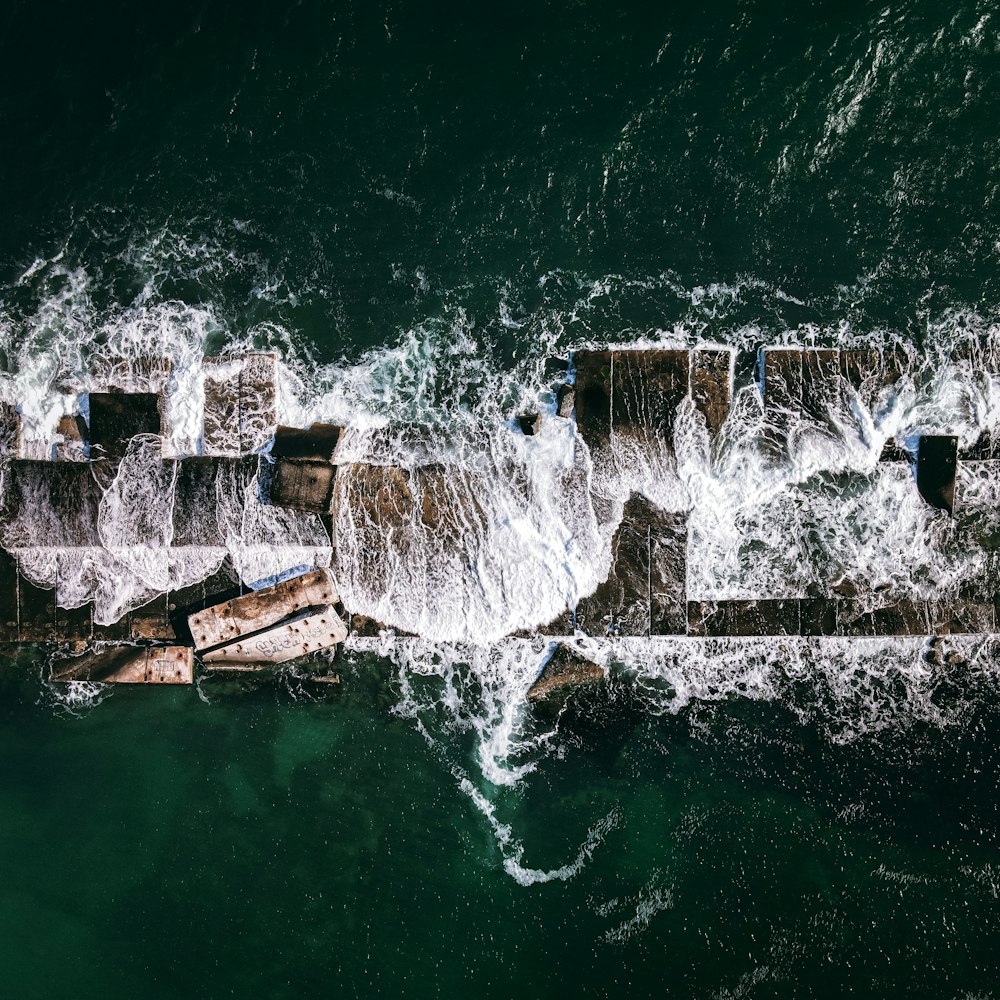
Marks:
<point>208,523</point>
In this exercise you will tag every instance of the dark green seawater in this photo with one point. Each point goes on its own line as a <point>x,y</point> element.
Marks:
<point>436,198</point>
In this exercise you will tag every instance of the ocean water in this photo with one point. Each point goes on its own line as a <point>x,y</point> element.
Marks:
<point>424,210</point>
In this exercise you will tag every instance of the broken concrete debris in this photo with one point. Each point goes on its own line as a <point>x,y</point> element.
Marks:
<point>565,668</point>
<point>272,625</point>
<point>129,665</point>
<point>260,609</point>
<point>530,423</point>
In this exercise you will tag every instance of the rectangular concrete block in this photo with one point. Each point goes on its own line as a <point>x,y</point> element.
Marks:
<point>711,385</point>
<point>261,609</point>
<point>821,385</point>
<point>937,468</point>
<point>10,431</point>
<point>8,598</point>
<point>593,397</point>
<point>743,618</point>
<point>782,384</point>
<point>818,616</point>
<point>302,485</point>
<point>117,417</point>
<point>668,539</point>
<point>647,387</point>
<point>958,617</point>
<point>904,617</point>
<point>36,612</point>
<point>620,605</point>
<point>645,590</point>
<point>282,642</point>
<point>241,404</point>
<point>152,620</point>
<point>316,443</point>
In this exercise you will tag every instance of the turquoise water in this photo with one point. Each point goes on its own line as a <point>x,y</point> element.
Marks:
<point>418,206</point>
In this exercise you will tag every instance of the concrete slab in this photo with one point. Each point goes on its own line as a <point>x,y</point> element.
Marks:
<point>744,618</point>
<point>117,417</point>
<point>282,643</point>
<point>711,385</point>
<point>261,609</point>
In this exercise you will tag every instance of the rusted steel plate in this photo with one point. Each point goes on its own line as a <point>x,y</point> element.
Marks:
<point>281,643</point>
<point>130,665</point>
<point>261,608</point>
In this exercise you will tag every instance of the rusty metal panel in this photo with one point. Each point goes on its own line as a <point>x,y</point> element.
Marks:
<point>281,643</point>
<point>261,608</point>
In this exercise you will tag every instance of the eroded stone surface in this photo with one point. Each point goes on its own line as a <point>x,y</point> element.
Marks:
<point>566,668</point>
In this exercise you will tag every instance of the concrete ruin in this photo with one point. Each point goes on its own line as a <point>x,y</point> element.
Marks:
<point>620,399</point>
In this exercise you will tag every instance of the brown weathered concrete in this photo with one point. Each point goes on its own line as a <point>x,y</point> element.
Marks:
<point>566,668</point>
<point>10,431</point>
<point>711,385</point>
<point>241,404</point>
<point>302,485</point>
<point>743,618</point>
<point>129,665</point>
<point>645,589</point>
<point>283,642</point>
<point>316,443</point>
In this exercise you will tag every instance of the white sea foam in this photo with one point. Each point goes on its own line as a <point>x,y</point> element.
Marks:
<point>520,527</point>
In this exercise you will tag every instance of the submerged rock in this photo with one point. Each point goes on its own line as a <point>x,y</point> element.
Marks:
<point>566,668</point>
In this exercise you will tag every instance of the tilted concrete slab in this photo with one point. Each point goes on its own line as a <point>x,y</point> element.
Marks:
<point>260,609</point>
<point>281,643</point>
